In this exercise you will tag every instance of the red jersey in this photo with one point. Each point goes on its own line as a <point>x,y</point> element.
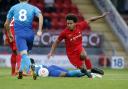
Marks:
<point>12,26</point>
<point>73,39</point>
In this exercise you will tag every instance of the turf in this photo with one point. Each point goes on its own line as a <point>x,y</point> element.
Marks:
<point>113,79</point>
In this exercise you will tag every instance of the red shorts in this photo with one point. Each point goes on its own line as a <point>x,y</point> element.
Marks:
<point>75,58</point>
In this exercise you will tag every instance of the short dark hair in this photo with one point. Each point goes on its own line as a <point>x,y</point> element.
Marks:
<point>23,0</point>
<point>72,17</point>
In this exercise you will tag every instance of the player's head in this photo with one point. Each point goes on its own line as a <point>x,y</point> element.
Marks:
<point>23,0</point>
<point>71,20</point>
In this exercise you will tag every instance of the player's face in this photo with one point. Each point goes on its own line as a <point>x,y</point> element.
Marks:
<point>70,24</point>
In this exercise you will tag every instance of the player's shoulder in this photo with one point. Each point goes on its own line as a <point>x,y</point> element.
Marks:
<point>81,23</point>
<point>24,4</point>
<point>64,31</point>
<point>78,23</point>
<point>30,5</point>
<point>15,6</point>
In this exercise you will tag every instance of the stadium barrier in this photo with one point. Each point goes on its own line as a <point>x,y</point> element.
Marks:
<point>117,62</point>
<point>118,25</point>
<point>47,38</point>
<point>60,60</point>
<point>5,61</point>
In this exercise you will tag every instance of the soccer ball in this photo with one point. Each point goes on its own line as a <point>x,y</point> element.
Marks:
<point>43,72</point>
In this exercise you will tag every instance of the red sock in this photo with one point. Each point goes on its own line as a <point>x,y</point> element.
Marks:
<point>18,60</point>
<point>88,63</point>
<point>13,63</point>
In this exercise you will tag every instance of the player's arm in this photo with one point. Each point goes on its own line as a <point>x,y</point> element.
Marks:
<point>55,44</point>
<point>53,48</point>
<point>40,16</point>
<point>92,19</point>
<point>5,41</point>
<point>7,28</point>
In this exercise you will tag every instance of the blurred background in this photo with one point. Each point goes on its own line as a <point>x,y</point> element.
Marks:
<point>106,40</point>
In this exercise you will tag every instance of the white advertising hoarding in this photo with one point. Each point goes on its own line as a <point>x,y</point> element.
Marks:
<point>5,61</point>
<point>59,60</point>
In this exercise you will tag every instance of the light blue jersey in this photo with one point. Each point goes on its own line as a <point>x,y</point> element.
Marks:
<point>23,14</point>
<point>56,71</point>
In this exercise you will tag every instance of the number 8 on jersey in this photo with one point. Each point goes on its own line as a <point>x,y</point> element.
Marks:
<point>22,15</point>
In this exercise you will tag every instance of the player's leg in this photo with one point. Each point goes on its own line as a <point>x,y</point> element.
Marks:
<point>18,56</point>
<point>23,64</point>
<point>89,64</point>
<point>75,73</point>
<point>22,48</point>
<point>13,57</point>
<point>86,64</point>
<point>13,63</point>
<point>86,59</point>
<point>97,70</point>
<point>30,45</point>
<point>56,71</point>
<point>78,63</point>
<point>34,69</point>
<point>54,67</point>
<point>18,61</point>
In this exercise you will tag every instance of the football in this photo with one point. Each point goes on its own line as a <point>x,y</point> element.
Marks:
<point>43,72</point>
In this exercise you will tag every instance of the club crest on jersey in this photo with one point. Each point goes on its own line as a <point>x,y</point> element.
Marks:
<point>75,37</point>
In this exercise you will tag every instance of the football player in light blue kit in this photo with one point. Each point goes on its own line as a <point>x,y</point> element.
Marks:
<point>56,71</point>
<point>23,14</point>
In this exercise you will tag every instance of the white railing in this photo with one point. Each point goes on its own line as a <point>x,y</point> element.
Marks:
<point>118,25</point>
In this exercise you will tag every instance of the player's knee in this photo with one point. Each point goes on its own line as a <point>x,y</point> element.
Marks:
<point>82,57</point>
<point>24,52</point>
<point>15,52</point>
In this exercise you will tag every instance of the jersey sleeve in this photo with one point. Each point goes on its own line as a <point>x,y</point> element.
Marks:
<point>62,36</point>
<point>37,11</point>
<point>10,14</point>
<point>83,25</point>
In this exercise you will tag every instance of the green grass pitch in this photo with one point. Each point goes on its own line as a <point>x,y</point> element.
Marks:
<point>113,79</point>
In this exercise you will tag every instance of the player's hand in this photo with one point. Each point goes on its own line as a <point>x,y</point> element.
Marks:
<point>105,14</point>
<point>39,33</point>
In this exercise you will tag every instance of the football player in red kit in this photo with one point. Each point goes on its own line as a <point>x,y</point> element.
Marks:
<point>72,35</point>
<point>15,57</point>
